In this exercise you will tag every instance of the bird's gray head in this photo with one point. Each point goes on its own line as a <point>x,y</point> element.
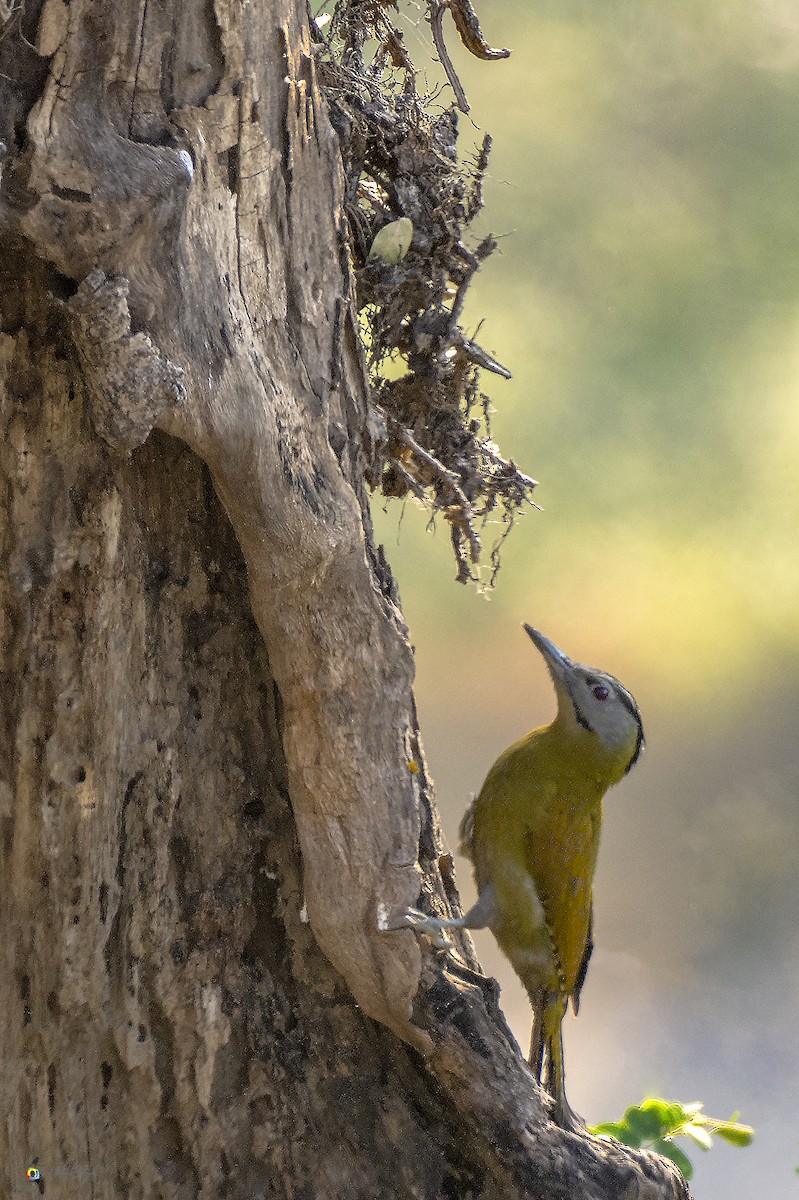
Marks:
<point>597,700</point>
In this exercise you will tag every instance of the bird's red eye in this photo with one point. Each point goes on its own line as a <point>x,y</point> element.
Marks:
<point>601,692</point>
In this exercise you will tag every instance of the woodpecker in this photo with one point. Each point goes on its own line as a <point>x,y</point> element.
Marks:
<point>532,835</point>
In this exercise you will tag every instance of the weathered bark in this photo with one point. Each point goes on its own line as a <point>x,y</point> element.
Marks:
<point>195,803</point>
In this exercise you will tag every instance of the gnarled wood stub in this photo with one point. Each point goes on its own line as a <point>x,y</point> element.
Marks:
<point>194,803</point>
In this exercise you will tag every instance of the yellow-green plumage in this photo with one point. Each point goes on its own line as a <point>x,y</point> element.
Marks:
<point>538,818</point>
<point>532,835</point>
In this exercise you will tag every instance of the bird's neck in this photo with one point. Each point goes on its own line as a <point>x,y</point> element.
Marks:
<point>585,757</point>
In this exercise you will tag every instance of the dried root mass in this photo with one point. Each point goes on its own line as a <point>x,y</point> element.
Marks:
<point>400,159</point>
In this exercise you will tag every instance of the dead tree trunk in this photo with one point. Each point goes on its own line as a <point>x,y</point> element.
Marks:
<point>207,730</point>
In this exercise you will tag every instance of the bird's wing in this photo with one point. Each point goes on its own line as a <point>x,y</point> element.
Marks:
<point>560,856</point>
<point>537,845</point>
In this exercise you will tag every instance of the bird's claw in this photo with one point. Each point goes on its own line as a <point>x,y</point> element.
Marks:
<point>433,927</point>
<point>419,922</point>
<point>567,1119</point>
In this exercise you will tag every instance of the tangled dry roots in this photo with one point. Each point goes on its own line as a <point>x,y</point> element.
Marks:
<point>401,161</point>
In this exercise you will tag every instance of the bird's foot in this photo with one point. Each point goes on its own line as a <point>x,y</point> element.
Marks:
<point>419,922</point>
<point>564,1116</point>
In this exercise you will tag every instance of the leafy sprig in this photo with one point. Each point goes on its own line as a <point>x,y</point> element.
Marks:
<point>655,1123</point>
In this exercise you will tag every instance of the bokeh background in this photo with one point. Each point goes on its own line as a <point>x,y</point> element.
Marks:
<point>645,187</point>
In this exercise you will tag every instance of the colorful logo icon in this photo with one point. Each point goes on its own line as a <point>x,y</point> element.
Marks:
<point>32,1173</point>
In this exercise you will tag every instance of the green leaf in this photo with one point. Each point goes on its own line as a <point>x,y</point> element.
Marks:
<point>615,1129</point>
<point>627,1136</point>
<point>735,1134</point>
<point>656,1122</point>
<point>698,1135</point>
<point>681,1160</point>
<point>672,1116</point>
<point>646,1124</point>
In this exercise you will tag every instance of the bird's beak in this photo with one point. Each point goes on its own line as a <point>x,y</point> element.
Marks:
<point>560,667</point>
